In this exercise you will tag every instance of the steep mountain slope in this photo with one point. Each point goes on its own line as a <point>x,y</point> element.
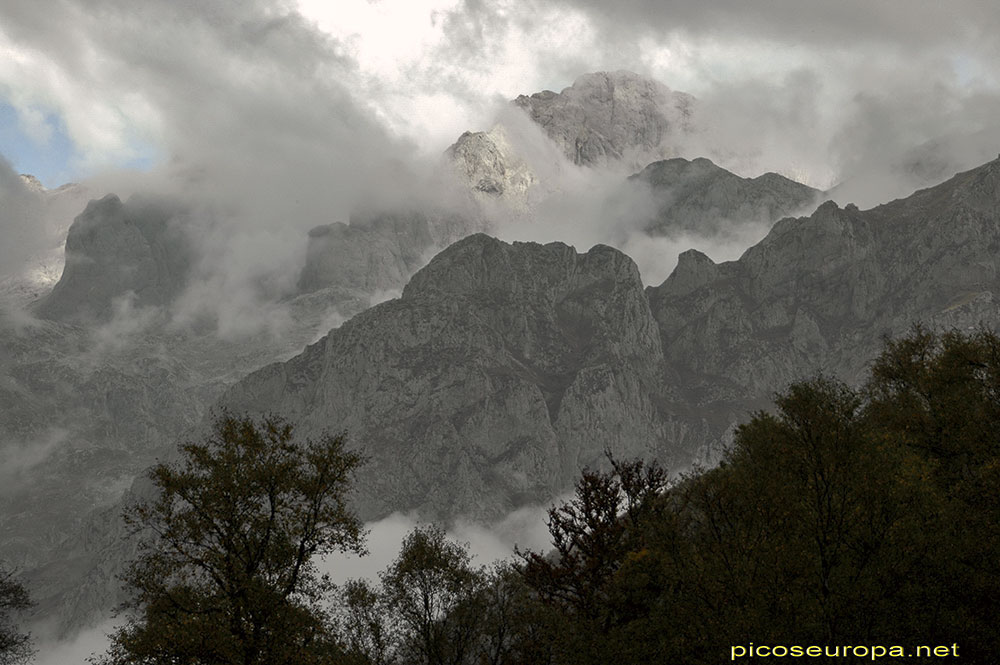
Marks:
<point>498,373</point>
<point>819,292</point>
<point>504,368</point>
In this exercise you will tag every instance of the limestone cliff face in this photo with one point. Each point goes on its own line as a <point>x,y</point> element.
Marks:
<point>498,373</point>
<point>611,116</point>
<point>615,120</point>
<point>697,195</point>
<point>490,164</point>
<point>377,256</point>
<point>819,292</point>
<point>504,368</point>
<point>116,250</point>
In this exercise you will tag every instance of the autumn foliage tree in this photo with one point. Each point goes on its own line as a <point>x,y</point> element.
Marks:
<point>227,569</point>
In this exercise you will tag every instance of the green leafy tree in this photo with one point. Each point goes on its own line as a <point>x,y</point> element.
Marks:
<point>846,516</point>
<point>434,593</point>
<point>366,625</point>
<point>227,572</point>
<point>515,627</point>
<point>15,646</point>
<point>938,395</point>
<point>594,535</point>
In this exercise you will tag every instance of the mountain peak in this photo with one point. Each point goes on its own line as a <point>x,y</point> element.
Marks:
<point>610,116</point>
<point>481,263</point>
<point>32,183</point>
<point>114,249</point>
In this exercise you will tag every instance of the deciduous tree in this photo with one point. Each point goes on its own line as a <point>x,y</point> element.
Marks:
<point>227,571</point>
<point>15,646</point>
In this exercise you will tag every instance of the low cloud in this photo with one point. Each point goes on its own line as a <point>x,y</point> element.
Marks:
<point>19,458</point>
<point>524,527</point>
<point>86,643</point>
<point>22,224</point>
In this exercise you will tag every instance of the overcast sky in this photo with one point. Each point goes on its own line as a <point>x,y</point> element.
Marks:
<point>313,84</point>
<point>286,114</point>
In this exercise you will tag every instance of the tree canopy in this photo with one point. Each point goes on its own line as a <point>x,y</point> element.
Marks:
<point>227,571</point>
<point>866,516</point>
<point>15,646</point>
<point>847,516</point>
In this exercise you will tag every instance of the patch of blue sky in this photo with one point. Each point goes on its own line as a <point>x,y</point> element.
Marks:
<point>53,158</point>
<point>971,73</point>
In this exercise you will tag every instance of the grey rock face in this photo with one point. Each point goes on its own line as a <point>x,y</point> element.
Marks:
<point>116,249</point>
<point>490,164</point>
<point>609,116</point>
<point>498,373</point>
<point>504,368</point>
<point>380,255</point>
<point>819,292</point>
<point>699,196</point>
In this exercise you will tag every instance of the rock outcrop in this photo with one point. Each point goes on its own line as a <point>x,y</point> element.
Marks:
<point>119,250</point>
<point>500,371</point>
<point>491,165</point>
<point>699,196</point>
<point>820,292</point>
<point>611,116</point>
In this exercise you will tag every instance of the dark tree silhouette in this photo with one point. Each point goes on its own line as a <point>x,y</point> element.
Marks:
<point>227,573</point>
<point>15,646</point>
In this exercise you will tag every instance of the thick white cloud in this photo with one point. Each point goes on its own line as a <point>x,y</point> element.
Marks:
<point>273,116</point>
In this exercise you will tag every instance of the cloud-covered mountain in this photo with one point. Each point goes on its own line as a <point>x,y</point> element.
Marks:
<point>611,117</point>
<point>698,196</point>
<point>819,292</point>
<point>502,368</point>
<point>498,373</point>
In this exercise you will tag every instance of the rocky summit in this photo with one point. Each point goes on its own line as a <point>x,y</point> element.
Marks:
<point>118,250</point>
<point>696,195</point>
<point>491,165</point>
<point>500,371</point>
<point>611,116</point>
